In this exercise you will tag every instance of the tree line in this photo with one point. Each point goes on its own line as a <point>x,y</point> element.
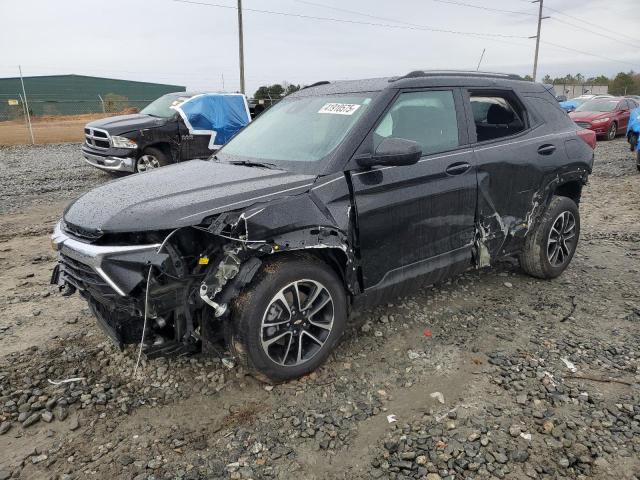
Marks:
<point>624,83</point>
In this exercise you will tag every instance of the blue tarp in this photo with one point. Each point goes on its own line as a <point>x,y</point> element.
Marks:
<point>569,105</point>
<point>220,115</point>
<point>634,124</point>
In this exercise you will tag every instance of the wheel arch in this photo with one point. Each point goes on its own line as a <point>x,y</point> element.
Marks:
<point>571,189</point>
<point>335,258</point>
<point>164,147</point>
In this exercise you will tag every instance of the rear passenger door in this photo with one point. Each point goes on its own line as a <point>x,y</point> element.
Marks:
<point>417,220</point>
<point>511,156</point>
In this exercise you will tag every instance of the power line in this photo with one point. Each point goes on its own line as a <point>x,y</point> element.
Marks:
<point>578,27</point>
<point>587,53</point>
<point>510,43</point>
<point>592,24</point>
<point>587,22</point>
<point>482,7</point>
<point>356,22</point>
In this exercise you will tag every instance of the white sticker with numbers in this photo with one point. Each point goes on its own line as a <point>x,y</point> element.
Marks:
<point>339,108</point>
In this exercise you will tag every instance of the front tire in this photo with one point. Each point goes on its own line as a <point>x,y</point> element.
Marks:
<point>151,159</point>
<point>289,319</point>
<point>612,132</point>
<point>550,247</point>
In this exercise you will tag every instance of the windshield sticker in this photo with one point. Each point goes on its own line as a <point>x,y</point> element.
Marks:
<point>339,108</point>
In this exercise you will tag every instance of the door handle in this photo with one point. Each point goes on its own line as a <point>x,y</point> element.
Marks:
<point>457,168</point>
<point>546,149</point>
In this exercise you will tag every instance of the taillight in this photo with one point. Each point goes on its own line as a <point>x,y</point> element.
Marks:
<point>589,137</point>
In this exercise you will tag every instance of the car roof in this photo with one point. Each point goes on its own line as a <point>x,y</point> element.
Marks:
<point>419,78</point>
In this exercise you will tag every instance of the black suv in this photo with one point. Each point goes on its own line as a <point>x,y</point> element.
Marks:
<point>343,194</point>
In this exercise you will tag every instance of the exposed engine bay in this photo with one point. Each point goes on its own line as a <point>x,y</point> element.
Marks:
<point>173,290</point>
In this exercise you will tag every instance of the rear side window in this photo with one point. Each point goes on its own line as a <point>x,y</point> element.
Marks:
<point>496,115</point>
<point>428,118</point>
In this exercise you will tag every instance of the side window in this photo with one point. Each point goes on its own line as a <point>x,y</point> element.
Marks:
<point>428,118</point>
<point>496,115</point>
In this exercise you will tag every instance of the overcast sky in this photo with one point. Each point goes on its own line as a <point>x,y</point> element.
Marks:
<point>195,45</point>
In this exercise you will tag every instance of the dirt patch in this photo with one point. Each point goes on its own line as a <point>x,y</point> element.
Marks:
<point>48,129</point>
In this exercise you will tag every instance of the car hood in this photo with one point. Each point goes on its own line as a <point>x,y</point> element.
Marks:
<point>179,195</point>
<point>127,123</point>
<point>588,116</point>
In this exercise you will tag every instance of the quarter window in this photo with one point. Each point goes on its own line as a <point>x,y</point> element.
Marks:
<point>428,118</point>
<point>496,116</point>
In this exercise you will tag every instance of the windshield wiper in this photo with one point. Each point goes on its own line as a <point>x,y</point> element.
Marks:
<point>249,163</point>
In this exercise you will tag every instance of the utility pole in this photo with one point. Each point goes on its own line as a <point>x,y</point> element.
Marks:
<point>241,46</point>
<point>537,37</point>
<point>26,104</point>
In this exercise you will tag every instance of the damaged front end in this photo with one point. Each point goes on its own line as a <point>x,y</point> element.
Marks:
<point>173,290</point>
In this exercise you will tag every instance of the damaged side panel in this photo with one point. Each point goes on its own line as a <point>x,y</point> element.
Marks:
<point>316,220</point>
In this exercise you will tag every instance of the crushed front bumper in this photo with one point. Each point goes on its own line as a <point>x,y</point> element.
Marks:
<point>110,164</point>
<point>84,264</point>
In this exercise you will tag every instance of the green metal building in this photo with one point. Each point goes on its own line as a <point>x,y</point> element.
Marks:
<point>76,94</point>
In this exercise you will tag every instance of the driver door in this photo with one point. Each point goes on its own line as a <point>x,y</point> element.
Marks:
<point>418,220</point>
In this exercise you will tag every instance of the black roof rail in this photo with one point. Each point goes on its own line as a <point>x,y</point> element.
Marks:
<point>456,73</point>
<point>317,84</point>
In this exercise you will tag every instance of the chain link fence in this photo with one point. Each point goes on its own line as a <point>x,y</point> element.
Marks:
<point>49,119</point>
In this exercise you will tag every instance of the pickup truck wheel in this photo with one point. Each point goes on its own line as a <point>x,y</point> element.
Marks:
<point>613,131</point>
<point>289,319</point>
<point>151,158</point>
<point>550,247</point>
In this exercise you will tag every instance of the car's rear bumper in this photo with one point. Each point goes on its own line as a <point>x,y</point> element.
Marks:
<point>110,163</point>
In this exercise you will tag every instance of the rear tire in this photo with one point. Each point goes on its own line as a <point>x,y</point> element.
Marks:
<point>612,132</point>
<point>151,159</point>
<point>277,341</point>
<point>550,247</point>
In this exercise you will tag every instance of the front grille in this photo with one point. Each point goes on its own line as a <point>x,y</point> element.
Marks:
<point>80,275</point>
<point>583,124</point>
<point>81,233</point>
<point>97,138</point>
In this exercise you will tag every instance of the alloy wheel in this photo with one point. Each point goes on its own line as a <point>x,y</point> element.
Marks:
<point>562,239</point>
<point>611,134</point>
<point>297,323</point>
<point>147,162</point>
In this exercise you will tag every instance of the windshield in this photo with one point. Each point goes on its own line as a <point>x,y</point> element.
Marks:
<point>598,106</point>
<point>161,106</point>
<point>298,133</point>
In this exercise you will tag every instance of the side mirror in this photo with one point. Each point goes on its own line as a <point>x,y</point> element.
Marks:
<point>393,152</point>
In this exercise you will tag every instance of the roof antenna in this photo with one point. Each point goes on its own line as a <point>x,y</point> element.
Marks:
<point>481,57</point>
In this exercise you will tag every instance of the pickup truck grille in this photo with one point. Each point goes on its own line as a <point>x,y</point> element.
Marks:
<point>583,124</point>
<point>97,138</point>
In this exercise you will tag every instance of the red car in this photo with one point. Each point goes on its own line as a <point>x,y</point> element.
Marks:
<point>607,117</point>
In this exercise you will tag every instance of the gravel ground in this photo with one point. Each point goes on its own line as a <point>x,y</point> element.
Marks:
<point>491,375</point>
<point>42,173</point>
